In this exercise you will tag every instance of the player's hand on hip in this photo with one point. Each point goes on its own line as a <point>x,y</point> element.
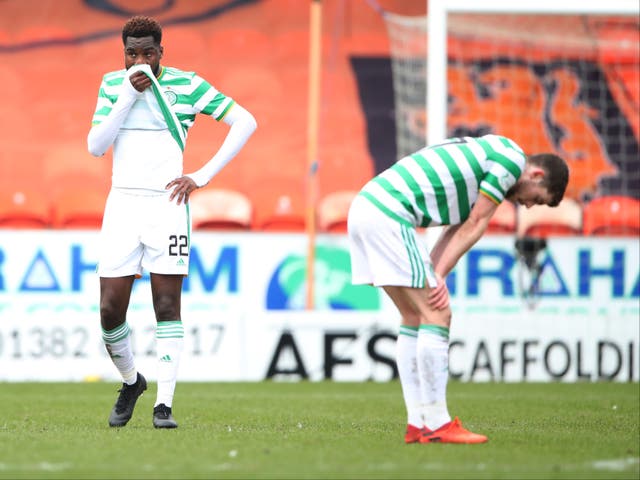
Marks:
<point>182,188</point>
<point>439,296</point>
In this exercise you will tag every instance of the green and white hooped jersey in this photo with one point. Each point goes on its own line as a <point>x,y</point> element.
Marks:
<point>186,92</point>
<point>148,148</point>
<point>438,185</point>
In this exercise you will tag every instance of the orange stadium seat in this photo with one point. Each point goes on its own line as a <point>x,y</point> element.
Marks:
<point>283,222</point>
<point>612,215</point>
<point>78,198</point>
<point>280,206</point>
<point>504,219</point>
<point>543,221</point>
<point>220,209</point>
<point>79,208</point>
<point>333,210</point>
<point>24,208</point>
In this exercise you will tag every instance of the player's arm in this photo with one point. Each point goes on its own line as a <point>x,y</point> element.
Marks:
<point>102,135</point>
<point>443,240</point>
<point>463,236</point>
<point>242,124</point>
<point>453,243</point>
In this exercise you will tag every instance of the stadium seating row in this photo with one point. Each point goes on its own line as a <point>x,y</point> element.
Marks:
<point>223,209</point>
<point>607,215</point>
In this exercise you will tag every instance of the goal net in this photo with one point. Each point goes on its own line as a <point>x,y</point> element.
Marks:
<point>566,82</point>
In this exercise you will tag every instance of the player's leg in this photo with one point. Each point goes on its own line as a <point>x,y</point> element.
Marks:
<point>433,365</point>
<point>166,256</point>
<point>166,291</point>
<point>432,343</point>
<point>374,239</point>
<point>411,353</point>
<point>114,300</point>
<point>432,358</point>
<point>118,265</point>
<point>406,361</point>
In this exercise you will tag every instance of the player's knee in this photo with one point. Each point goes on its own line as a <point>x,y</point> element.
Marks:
<point>411,317</point>
<point>440,317</point>
<point>110,316</point>
<point>167,308</point>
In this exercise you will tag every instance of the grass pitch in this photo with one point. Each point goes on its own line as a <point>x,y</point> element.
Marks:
<point>319,430</point>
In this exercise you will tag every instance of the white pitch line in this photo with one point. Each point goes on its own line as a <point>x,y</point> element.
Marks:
<point>618,465</point>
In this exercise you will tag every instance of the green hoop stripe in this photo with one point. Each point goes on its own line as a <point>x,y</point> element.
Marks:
<point>171,329</point>
<point>408,331</point>
<point>505,161</point>
<point>384,209</point>
<point>117,334</point>
<point>436,330</point>
<point>458,180</point>
<point>438,188</point>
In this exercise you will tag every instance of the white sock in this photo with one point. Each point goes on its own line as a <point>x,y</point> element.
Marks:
<point>408,371</point>
<point>433,370</point>
<point>169,342</point>
<point>118,345</point>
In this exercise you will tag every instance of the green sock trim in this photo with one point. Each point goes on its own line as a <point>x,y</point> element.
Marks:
<point>169,323</point>
<point>436,330</point>
<point>170,329</point>
<point>117,334</point>
<point>408,331</point>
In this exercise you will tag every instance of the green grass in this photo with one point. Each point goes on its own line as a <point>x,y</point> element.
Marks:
<point>319,430</point>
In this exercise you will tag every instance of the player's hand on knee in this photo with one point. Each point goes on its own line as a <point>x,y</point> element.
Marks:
<point>439,296</point>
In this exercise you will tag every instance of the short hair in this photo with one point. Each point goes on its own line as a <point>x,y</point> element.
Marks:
<point>141,26</point>
<point>557,174</point>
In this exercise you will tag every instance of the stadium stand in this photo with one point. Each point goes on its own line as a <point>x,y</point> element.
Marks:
<point>78,208</point>
<point>542,221</point>
<point>78,198</point>
<point>220,209</point>
<point>24,208</point>
<point>284,218</point>
<point>612,215</point>
<point>504,219</point>
<point>265,59</point>
<point>280,206</point>
<point>283,223</point>
<point>333,210</point>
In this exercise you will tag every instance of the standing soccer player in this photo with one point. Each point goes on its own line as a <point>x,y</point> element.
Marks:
<point>458,184</point>
<point>144,111</point>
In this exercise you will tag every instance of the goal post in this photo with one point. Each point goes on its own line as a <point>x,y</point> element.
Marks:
<point>559,76</point>
<point>438,11</point>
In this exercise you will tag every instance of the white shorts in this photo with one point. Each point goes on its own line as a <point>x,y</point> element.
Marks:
<point>144,230</point>
<point>384,251</point>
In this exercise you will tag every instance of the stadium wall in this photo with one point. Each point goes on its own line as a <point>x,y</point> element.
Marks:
<point>583,105</point>
<point>244,318</point>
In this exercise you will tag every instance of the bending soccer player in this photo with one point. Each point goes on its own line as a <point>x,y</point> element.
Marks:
<point>144,111</point>
<point>458,184</point>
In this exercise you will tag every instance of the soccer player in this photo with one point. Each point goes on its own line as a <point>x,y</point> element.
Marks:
<point>457,184</point>
<point>144,111</point>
